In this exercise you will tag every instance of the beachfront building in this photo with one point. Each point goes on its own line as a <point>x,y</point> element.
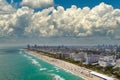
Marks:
<point>77,56</point>
<point>118,63</point>
<point>63,55</point>
<point>107,61</point>
<point>118,55</point>
<point>91,58</point>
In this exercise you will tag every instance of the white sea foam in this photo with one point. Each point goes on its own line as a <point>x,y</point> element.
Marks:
<point>34,61</point>
<point>68,71</point>
<point>29,57</point>
<point>41,69</point>
<point>51,70</point>
<point>57,71</point>
<point>25,55</point>
<point>25,52</point>
<point>20,52</point>
<point>57,77</point>
<point>56,68</point>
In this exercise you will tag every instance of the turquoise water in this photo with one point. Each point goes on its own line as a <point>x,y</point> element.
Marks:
<point>16,64</point>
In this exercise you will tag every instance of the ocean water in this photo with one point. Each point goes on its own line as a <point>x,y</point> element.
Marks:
<point>16,64</point>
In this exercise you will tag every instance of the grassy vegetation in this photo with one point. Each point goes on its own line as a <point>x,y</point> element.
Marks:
<point>107,70</point>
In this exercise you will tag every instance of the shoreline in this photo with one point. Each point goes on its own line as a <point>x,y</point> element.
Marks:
<point>72,68</point>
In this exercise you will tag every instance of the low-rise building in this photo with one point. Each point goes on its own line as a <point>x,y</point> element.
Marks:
<point>107,61</point>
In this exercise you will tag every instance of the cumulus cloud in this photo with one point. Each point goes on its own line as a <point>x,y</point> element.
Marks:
<point>101,20</point>
<point>37,3</point>
<point>5,20</point>
<point>5,7</point>
<point>15,22</point>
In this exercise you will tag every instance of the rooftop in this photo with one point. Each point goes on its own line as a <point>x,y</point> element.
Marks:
<point>102,76</point>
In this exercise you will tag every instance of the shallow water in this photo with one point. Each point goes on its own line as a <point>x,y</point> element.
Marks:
<point>16,64</point>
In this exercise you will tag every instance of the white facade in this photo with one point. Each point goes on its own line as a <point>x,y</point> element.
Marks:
<point>91,58</point>
<point>107,61</point>
<point>78,57</point>
<point>118,63</point>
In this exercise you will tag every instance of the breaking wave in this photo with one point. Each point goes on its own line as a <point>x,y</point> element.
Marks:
<point>57,77</point>
<point>50,70</point>
<point>56,68</point>
<point>42,69</point>
<point>35,62</point>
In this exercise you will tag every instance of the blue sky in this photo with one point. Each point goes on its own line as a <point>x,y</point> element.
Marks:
<point>81,3</point>
<point>89,3</point>
<point>56,22</point>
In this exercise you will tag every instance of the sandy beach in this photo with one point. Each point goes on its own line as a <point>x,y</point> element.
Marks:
<point>76,70</point>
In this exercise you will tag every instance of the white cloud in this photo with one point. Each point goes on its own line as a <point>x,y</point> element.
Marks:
<point>37,3</point>
<point>6,18</point>
<point>5,30</point>
<point>5,7</point>
<point>101,20</point>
